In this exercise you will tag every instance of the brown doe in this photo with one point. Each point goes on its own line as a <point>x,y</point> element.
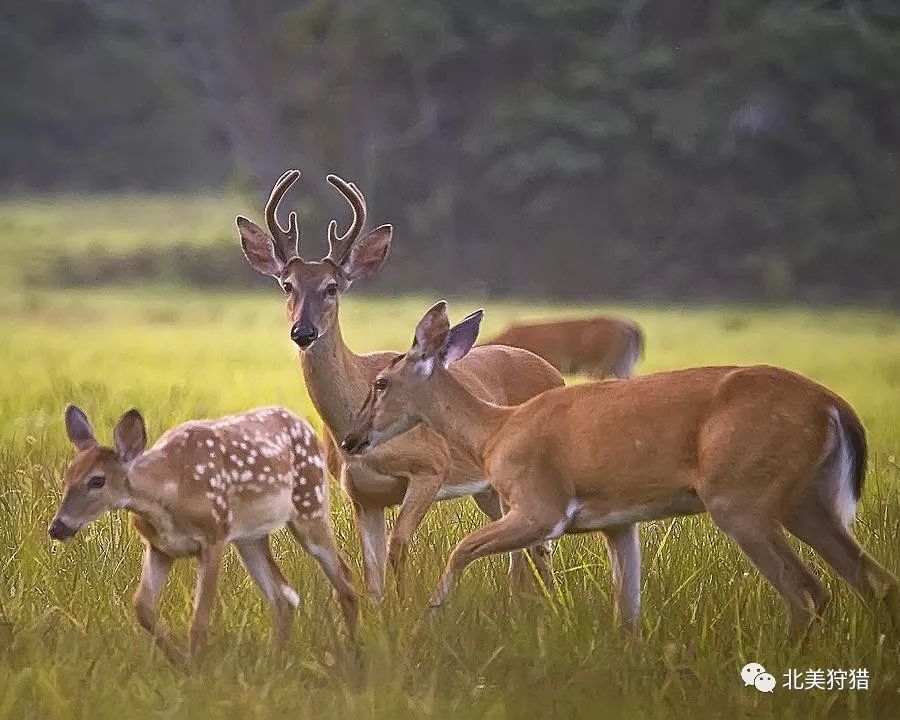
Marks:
<point>760,449</point>
<point>206,484</point>
<point>420,468</point>
<point>601,346</point>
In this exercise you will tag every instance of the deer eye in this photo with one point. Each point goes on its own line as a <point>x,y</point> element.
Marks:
<point>380,384</point>
<point>288,287</point>
<point>331,289</point>
<point>96,482</point>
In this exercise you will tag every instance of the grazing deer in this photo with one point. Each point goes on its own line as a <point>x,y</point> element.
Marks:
<point>413,471</point>
<point>206,484</point>
<point>599,346</point>
<point>759,448</point>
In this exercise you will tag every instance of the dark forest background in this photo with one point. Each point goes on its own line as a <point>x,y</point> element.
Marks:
<point>641,149</point>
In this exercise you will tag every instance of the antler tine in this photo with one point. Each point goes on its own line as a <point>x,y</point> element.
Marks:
<point>339,245</point>
<point>287,242</point>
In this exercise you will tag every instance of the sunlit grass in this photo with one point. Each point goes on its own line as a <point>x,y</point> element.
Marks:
<point>69,646</point>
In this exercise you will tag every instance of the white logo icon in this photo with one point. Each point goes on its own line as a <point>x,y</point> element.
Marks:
<point>765,682</point>
<point>755,674</point>
<point>750,671</point>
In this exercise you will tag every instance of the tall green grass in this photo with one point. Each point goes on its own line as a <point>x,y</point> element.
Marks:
<point>70,648</point>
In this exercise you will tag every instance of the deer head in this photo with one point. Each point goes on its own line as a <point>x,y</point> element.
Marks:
<point>401,396</point>
<point>97,478</point>
<point>313,288</point>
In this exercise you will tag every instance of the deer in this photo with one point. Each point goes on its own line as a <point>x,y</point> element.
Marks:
<point>602,346</point>
<point>412,472</point>
<point>760,449</point>
<point>205,485</point>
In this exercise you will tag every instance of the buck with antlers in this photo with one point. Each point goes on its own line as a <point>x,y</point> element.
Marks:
<point>760,449</point>
<point>412,471</point>
<point>601,346</point>
<point>202,486</point>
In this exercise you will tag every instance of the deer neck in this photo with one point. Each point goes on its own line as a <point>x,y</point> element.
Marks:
<point>147,495</point>
<point>335,380</point>
<point>468,423</point>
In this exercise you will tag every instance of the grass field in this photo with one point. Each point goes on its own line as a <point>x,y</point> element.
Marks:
<point>70,647</point>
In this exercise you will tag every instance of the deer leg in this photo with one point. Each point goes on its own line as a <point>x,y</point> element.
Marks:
<point>763,541</point>
<point>154,572</point>
<point>208,566</point>
<point>623,546</point>
<point>317,538</point>
<point>256,555</point>
<point>514,531</point>
<point>823,532</point>
<point>519,572</point>
<point>370,525</point>
<point>420,494</point>
<point>541,555</point>
<point>489,503</point>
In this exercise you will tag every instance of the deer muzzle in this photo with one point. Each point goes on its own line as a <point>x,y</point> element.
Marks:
<point>304,334</point>
<point>60,531</point>
<point>356,443</point>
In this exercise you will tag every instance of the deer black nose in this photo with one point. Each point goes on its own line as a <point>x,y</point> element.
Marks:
<point>60,531</point>
<point>304,335</point>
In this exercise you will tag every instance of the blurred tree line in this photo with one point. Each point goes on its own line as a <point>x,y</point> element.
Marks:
<point>647,149</point>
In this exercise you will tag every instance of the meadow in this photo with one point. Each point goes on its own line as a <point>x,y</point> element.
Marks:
<point>69,644</point>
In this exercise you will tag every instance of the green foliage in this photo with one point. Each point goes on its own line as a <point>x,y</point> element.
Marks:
<point>643,148</point>
<point>70,647</point>
<point>87,108</point>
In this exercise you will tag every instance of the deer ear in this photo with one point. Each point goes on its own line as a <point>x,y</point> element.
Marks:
<point>259,248</point>
<point>368,254</point>
<point>79,429</point>
<point>130,436</point>
<point>461,338</point>
<point>430,337</point>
